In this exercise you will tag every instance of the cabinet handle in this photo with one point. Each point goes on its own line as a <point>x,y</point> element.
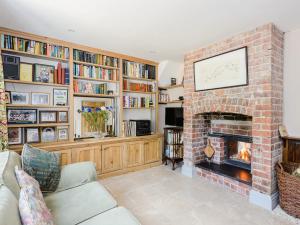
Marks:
<point>111,162</point>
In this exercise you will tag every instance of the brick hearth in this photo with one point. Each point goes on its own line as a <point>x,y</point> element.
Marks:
<point>261,100</point>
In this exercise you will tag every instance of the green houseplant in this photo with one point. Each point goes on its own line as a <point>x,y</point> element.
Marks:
<point>96,121</point>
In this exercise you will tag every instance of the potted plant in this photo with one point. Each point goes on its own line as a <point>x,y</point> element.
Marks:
<point>96,121</point>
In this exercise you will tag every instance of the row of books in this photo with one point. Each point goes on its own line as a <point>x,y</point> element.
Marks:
<point>88,57</point>
<point>129,128</point>
<point>137,102</point>
<point>174,151</point>
<point>94,72</point>
<point>138,70</point>
<point>34,47</point>
<point>131,86</point>
<point>61,75</point>
<point>174,137</point>
<point>163,97</point>
<point>89,87</point>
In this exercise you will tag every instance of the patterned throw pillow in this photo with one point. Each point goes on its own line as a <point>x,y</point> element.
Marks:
<point>43,166</point>
<point>32,207</point>
<point>25,180</point>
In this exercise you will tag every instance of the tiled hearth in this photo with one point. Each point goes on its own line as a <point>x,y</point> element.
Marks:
<point>253,111</point>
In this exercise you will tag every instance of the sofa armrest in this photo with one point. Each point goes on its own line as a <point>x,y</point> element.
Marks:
<point>76,174</point>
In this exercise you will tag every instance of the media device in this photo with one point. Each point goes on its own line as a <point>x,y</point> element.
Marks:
<point>143,127</point>
<point>11,67</point>
<point>174,116</point>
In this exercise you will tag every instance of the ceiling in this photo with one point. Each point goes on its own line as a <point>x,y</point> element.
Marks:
<point>153,29</point>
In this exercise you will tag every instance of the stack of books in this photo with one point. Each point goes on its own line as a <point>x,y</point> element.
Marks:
<point>89,87</point>
<point>131,86</point>
<point>129,128</point>
<point>110,61</point>
<point>94,72</point>
<point>136,102</point>
<point>61,75</point>
<point>33,47</point>
<point>138,70</point>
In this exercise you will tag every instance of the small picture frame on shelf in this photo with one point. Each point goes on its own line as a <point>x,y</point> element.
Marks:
<point>62,133</point>
<point>32,135</point>
<point>19,98</point>
<point>21,116</point>
<point>62,117</point>
<point>60,97</point>
<point>48,116</point>
<point>26,72</point>
<point>7,97</point>
<point>14,135</point>
<point>39,98</point>
<point>43,73</point>
<point>48,134</point>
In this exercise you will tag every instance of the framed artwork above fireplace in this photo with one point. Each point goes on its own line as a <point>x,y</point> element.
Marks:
<point>229,69</point>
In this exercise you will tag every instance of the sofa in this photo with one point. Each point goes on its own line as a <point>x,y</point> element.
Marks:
<point>79,198</point>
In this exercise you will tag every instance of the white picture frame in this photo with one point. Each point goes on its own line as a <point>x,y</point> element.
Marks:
<point>229,69</point>
<point>60,97</point>
<point>40,98</point>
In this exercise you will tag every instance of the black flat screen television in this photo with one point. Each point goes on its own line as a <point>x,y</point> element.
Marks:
<point>174,116</point>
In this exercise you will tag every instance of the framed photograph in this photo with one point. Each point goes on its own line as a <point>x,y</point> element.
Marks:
<point>43,73</point>
<point>7,97</point>
<point>26,72</point>
<point>21,98</point>
<point>32,135</point>
<point>62,133</point>
<point>14,135</point>
<point>21,116</point>
<point>226,70</point>
<point>62,116</point>
<point>40,98</point>
<point>48,134</point>
<point>60,97</point>
<point>48,117</point>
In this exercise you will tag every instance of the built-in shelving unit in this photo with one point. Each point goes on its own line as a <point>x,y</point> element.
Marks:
<point>164,97</point>
<point>92,74</point>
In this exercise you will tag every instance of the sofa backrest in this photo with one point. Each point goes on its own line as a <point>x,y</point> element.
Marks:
<point>8,161</point>
<point>9,209</point>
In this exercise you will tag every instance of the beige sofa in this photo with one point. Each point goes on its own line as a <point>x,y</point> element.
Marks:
<point>79,199</point>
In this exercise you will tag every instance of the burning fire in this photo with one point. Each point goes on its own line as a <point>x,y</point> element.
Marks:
<point>244,153</point>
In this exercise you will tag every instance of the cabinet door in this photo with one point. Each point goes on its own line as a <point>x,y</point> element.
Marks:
<point>83,154</point>
<point>151,150</point>
<point>65,157</point>
<point>111,157</point>
<point>133,154</point>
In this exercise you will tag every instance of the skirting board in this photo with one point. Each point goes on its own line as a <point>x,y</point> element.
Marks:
<point>265,201</point>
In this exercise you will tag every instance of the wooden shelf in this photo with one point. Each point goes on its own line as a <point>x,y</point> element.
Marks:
<point>11,51</point>
<point>95,79</point>
<point>170,87</point>
<point>94,95</point>
<point>97,65</point>
<point>36,83</point>
<point>170,102</point>
<point>39,125</point>
<point>140,92</point>
<point>138,108</point>
<point>137,78</point>
<point>35,106</point>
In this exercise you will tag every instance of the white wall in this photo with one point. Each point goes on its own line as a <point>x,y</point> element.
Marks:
<point>292,82</point>
<point>166,70</point>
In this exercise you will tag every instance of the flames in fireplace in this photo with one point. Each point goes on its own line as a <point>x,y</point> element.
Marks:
<point>243,152</point>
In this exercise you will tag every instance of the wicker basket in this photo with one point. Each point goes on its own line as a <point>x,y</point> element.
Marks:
<point>289,188</point>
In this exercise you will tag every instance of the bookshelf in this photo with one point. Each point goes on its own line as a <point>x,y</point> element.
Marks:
<point>98,69</point>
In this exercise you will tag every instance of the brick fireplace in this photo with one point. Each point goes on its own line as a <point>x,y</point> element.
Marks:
<point>246,116</point>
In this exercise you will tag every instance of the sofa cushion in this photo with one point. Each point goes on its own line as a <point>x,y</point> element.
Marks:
<point>76,174</point>
<point>9,211</point>
<point>25,180</point>
<point>32,207</point>
<point>43,166</point>
<point>77,204</point>
<point>116,216</point>
<point>8,161</point>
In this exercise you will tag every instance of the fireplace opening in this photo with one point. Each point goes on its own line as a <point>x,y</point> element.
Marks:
<point>238,150</point>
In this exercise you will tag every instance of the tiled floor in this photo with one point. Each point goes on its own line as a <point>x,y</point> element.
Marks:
<point>159,196</point>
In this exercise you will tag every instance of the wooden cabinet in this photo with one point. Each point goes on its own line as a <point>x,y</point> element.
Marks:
<point>65,157</point>
<point>151,150</point>
<point>112,157</point>
<point>133,154</point>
